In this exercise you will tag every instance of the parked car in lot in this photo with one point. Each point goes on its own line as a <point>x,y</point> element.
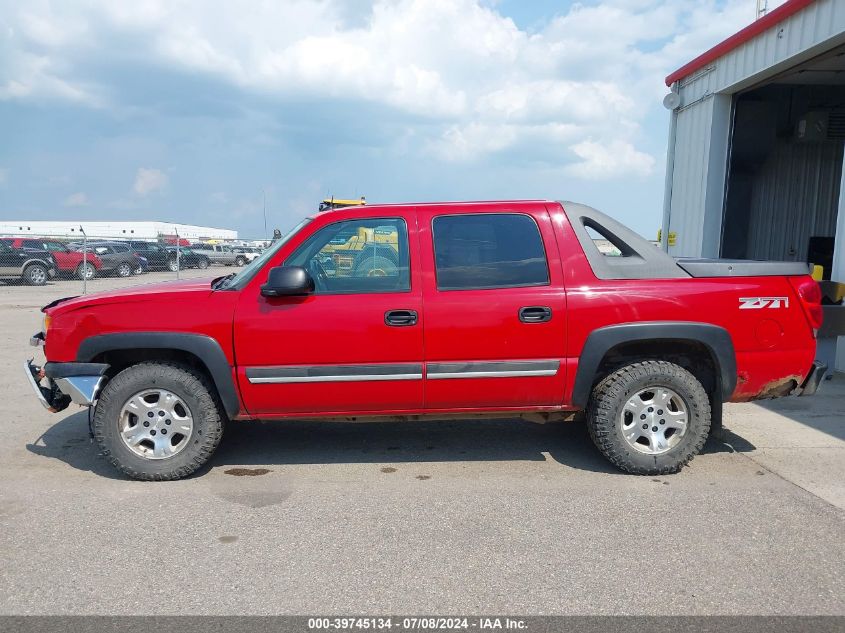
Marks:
<point>68,262</point>
<point>157,256</point>
<point>32,266</point>
<point>116,257</point>
<point>490,309</point>
<point>220,254</point>
<point>250,253</point>
<point>188,258</point>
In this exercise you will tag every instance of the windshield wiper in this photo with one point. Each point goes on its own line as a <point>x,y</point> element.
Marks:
<point>220,282</point>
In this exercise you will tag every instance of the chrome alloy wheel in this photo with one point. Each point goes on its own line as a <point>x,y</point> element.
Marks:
<point>37,275</point>
<point>88,271</point>
<point>155,424</point>
<point>654,420</point>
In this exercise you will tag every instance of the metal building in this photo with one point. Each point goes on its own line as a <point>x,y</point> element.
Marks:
<point>147,230</point>
<point>755,159</point>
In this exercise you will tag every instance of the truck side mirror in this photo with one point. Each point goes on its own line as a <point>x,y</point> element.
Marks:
<point>288,281</point>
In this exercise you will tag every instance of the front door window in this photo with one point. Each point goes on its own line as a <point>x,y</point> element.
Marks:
<point>357,256</point>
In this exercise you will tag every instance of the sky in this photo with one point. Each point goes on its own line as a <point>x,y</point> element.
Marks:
<point>198,111</point>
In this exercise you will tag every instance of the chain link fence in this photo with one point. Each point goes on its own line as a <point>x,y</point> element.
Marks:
<point>88,263</point>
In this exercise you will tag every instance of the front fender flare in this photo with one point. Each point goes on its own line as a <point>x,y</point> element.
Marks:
<point>205,348</point>
<point>716,339</point>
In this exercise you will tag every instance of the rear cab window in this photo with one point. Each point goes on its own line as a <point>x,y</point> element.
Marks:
<point>488,250</point>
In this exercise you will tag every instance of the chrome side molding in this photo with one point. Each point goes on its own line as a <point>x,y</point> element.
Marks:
<point>492,369</point>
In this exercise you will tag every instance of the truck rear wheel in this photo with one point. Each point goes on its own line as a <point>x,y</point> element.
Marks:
<point>158,421</point>
<point>649,418</point>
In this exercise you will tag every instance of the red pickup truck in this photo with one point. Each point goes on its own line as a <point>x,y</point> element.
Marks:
<point>437,310</point>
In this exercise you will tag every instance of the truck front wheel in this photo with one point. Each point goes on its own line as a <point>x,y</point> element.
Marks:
<point>649,418</point>
<point>158,421</point>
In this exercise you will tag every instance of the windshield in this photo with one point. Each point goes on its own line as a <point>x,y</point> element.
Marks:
<point>239,280</point>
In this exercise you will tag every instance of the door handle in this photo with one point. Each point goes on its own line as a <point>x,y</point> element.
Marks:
<point>535,314</point>
<point>400,318</point>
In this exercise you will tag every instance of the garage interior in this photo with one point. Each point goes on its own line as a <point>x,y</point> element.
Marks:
<point>785,165</point>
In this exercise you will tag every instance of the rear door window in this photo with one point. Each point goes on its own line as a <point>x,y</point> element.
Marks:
<point>488,250</point>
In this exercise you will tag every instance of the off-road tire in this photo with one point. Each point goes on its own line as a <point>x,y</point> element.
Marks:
<point>613,391</point>
<point>192,387</point>
<point>35,274</point>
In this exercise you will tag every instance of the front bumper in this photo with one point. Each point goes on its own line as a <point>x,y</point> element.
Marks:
<point>813,379</point>
<point>50,397</point>
<point>65,382</point>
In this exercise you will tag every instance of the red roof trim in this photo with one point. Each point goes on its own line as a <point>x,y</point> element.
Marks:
<point>751,31</point>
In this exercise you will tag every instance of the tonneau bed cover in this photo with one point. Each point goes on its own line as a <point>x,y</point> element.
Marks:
<point>741,268</point>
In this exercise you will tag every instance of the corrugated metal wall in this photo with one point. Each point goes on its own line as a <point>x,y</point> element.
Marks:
<point>698,179</point>
<point>795,195</point>
<point>689,179</point>
<point>700,163</point>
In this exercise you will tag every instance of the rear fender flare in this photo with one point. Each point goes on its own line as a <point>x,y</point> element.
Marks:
<point>205,348</point>
<point>716,339</point>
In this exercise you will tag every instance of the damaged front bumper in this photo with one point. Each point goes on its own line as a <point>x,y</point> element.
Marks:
<point>79,383</point>
<point>49,397</point>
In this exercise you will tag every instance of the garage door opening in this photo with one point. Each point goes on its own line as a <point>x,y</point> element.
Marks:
<point>785,165</point>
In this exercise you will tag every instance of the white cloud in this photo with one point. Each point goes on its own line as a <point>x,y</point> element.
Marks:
<point>616,158</point>
<point>78,199</point>
<point>470,82</point>
<point>148,180</point>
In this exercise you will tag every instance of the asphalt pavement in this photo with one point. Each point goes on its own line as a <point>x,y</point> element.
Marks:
<point>457,517</point>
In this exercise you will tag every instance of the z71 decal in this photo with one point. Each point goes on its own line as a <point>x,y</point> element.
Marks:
<point>757,303</point>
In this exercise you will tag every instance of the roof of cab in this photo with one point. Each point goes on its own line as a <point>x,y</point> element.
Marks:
<point>394,205</point>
